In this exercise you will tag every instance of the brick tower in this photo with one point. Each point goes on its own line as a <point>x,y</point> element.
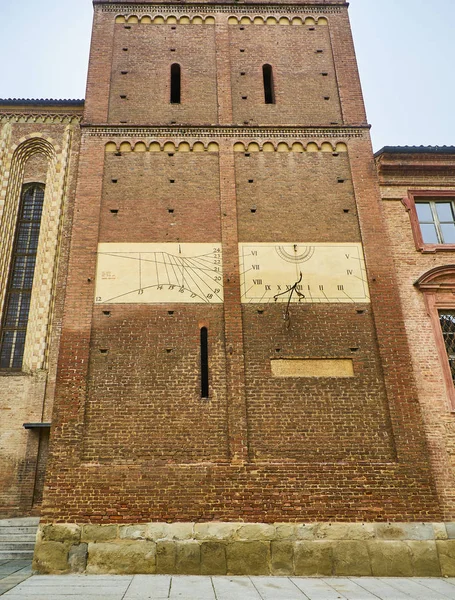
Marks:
<point>232,353</point>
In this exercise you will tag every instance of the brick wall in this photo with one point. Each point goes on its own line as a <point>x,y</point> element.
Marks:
<point>40,145</point>
<point>399,174</point>
<point>133,441</point>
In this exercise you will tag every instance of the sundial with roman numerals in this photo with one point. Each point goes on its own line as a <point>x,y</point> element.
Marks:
<point>319,273</point>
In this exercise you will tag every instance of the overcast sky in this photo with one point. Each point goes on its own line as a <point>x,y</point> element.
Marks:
<point>405,50</point>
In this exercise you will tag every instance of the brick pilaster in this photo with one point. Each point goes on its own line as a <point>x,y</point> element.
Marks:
<point>235,367</point>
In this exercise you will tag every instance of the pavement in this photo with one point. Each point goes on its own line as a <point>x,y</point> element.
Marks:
<point>13,572</point>
<point>17,583</point>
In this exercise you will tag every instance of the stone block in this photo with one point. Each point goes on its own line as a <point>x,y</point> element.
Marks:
<point>165,557</point>
<point>450,529</point>
<point>99,533</point>
<point>121,558</point>
<point>188,558</point>
<point>285,531</point>
<point>404,531</point>
<point>156,531</point>
<point>345,531</point>
<point>313,558</point>
<point>282,557</point>
<point>418,531</point>
<point>307,531</point>
<point>248,558</point>
<point>51,557</point>
<point>424,558</point>
<point>180,531</point>
<point>332,531</point>
<point>440,531</point>
<point>215,531</point>
<point>133,532</point>
<point>389,531</point>
<point>446,551</point>
<point>77,558</point>
<point>390,558</point>
<point>350,558</point>
<point>254,532</point>
<point>213,558</point>
<point>66,532</point>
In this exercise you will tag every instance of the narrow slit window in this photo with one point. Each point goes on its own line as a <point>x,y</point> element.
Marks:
<point>19,290</point>
<point>269,94</point>
<point>175,83</point>
<point>204,363</point>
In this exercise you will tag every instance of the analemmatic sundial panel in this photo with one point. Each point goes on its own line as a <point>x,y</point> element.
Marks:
<point>312,272</point>
<point>153,273</point>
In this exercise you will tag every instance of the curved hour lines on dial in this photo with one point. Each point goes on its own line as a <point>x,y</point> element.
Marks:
<point>159,273</point>
<point>305,273</point>
<point>297,256</point>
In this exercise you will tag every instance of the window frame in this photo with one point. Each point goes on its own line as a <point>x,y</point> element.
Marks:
<point>410,202</point>
<point>24,291</point>
<point>438,289</point>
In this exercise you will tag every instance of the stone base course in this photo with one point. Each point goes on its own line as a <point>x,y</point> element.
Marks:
<point>316,549</point>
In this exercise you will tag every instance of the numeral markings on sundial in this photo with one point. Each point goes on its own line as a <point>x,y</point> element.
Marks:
<point>156,273</point>
<point>330,273</point>
<point>151,273</point>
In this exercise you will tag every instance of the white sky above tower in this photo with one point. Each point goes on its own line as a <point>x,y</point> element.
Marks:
<point>405,51</point>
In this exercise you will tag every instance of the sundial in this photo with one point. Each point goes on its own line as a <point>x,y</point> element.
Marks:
<point>155,273</point>
<point>313,272</point>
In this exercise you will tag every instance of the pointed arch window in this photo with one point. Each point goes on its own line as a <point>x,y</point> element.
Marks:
<point>269,92</point>
<point>175,83</point>
<point>19,290</point>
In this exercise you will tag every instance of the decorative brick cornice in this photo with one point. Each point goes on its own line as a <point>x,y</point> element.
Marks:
<point>55,118</point>
<point>144,9</point>
<point>109,131</point>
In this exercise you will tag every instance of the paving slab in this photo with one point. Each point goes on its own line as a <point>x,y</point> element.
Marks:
<point>13,566</point>
<point>68,596</point>
<point>10,580</point>
<point>416,590</point>
<point>228,588</point>
<point>181,587</point>
<point>316,589</point>
<point>380,588</point>
<point>349,589</point>
<point>192,587</point>
<point>277,588</point>
<point>63,590</point>
<point>103,587</point>
<point>144,587</point>
<point>437,585</point>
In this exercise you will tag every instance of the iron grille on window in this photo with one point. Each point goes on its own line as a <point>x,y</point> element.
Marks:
<point>19,290</point>
<point>447,320</point>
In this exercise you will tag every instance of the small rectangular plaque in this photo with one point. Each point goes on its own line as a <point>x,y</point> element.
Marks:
<point>313,367</point>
